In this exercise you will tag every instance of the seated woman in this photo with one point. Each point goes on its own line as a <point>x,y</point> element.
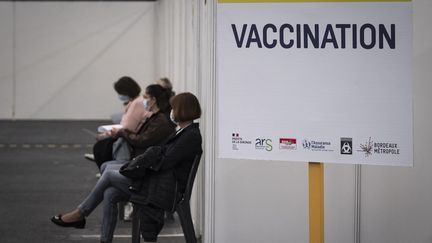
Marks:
<point>128,91</point>
<point>152,131</point>
<point>155,195</point>
<point>156,128</point>
<point>135,112</point>
<point>166,83</point>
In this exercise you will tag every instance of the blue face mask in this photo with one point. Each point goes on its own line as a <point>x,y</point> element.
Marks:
<point>123,98</point>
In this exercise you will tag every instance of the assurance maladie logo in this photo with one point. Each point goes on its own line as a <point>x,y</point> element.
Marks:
<point>287,143</point>
<point>263,144</point>
<point>237,140</point>
<point>317,145</point>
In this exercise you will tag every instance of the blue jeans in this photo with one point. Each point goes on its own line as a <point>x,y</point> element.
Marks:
<point>111,188</point>
<point>113,165</point>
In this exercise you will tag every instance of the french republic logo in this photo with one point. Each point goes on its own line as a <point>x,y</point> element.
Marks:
<point>346,146</point>
<point>237,140</point>
<point>287,143</point>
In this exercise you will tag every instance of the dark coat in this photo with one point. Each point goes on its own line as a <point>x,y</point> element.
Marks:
<point>137,168</point>
<point>177,155</point>
<point>154,131</point>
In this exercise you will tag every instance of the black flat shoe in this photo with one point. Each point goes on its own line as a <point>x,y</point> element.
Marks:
<point>80,224</point>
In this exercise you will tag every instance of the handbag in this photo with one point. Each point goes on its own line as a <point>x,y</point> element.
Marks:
<point>102,150</point>
<point>121,151</point>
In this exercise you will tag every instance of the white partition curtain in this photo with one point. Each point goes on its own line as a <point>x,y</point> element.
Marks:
<point>176,41</point>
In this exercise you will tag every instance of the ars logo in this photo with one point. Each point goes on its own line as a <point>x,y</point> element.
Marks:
<point>263,144</point>
<point>346,145</point>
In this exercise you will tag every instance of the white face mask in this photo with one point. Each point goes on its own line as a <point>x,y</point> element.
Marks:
<point>146,104</point>
<point>172,117</point>
<point>123,98</point>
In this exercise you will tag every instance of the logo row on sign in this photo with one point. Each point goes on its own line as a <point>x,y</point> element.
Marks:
<point>345,147</point>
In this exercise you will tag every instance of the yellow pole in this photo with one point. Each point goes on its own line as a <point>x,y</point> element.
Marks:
<point>316,202</point>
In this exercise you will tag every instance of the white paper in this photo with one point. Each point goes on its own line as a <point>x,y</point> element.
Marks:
<point>107,128</point>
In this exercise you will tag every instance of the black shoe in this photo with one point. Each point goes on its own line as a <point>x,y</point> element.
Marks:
<point>150,239</point>
<point>80,224</point>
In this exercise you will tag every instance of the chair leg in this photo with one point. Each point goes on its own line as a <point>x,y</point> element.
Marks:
<point>183,210</point>
<point>135,225</point>
<point>121,206</point>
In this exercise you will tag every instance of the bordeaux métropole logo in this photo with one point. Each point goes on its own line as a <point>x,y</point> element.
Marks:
<point>287,143</point>
<point>367,147</point>
<point>346,146</point>
<point>263,144</point>
<point>237,140</point>
<point>316,145</point>
<point>370,147</point>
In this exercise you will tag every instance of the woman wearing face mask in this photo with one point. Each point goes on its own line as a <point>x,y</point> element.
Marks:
<point>175,162</point>
<point>128,92</point>
<point>156,127</point>
<point>152,131</point>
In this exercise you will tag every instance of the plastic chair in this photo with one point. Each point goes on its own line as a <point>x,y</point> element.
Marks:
<point>182,208</point>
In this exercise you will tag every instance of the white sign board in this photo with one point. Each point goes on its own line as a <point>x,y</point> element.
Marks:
<point>315,81</point>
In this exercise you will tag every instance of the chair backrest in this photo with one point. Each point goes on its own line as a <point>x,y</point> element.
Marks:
<point>189,185</point>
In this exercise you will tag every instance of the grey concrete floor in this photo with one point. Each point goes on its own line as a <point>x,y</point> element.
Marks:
<point>42,173</point>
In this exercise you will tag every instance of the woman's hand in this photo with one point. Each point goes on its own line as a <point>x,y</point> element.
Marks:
<point>115,131</point>
<point>102,136</point>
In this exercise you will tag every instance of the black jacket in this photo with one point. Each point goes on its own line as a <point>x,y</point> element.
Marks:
<point>137,168</point>
<point>177,155</point>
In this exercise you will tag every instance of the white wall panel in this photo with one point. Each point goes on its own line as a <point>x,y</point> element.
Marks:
<point>261,201</point>
<point>6,59</point>
<point>68,55</point>
<point>339,184</point>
